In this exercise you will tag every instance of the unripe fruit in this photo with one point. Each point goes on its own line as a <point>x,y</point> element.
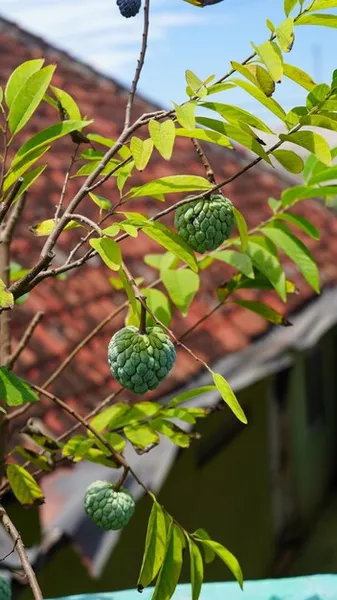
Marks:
<point>5,589</point>
<point>108,508</point>
<point>129,8</point>
<point>205,224</point>
<point>140,361</point>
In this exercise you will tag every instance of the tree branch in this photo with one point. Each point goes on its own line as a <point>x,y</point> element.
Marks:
<point>209,171</point>
<point>25,340</point>
<point>140,65</point>
<point>16,537</point>
<point>65,184</point>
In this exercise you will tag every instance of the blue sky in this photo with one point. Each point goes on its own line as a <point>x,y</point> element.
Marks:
<point>181,37</point>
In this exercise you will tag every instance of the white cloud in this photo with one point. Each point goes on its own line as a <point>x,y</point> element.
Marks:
<point>94,30</point>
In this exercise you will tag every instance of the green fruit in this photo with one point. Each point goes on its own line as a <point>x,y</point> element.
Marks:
<point>205,224</point>
<point>5,589</point>
<point>140,361</point>
<point>108,508</point>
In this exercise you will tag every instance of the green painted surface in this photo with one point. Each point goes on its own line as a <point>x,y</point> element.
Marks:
<point>228,495</point>
<point>313,447</point>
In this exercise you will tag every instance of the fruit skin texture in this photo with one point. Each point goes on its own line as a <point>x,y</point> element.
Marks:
<point>129,8</point>
<point>109,509</point>
<point>205,224</point>
<point>5,589</point>
<point>138,361</point>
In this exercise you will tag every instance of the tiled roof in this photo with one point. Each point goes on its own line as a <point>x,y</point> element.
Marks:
<point>74,306</point>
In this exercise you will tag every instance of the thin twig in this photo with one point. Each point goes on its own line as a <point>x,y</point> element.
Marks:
<point>6,205</point>
<point>65,184</point>
<point>83,220</point>
<point>14,217</point>
<point>16,537</point>
<point>108,175</point>
<point>25,340</point>
<point>140,64</point>
<point>209,171</point>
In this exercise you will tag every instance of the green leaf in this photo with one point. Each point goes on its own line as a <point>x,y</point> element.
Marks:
<point>300,222</point>
<point>141,151</point>
<point>102,202</point>
<point>19,77</point>
<point>14,390</point>
<point>322,5</point>
<point>187,415</point>
<point>299,76</point>
<point>242,228</point>
<point>299,192</point>
<point>285,35</point>
<point>68,103</point>
<point>263,79</point>
<point>186,114</point>
<point>193,81</point>
<point>163,136</point>
<point>170,571</point>
<point>317,97</point>
<point>289,160</point>
<point>92,164</point>
<point>28,98</point>
<point>238,260</point>
<point>269,103</point>
<point>182,286</point>
<point>28,180</point>
<point>23,485</point>
<point>208,552</point>
<point>129,290</point>
<point>319,121</point>
<point>48,135</point>
<point>170,185</point>
<point>141,436</point>
<point>270,266</point>
<point>289,5</point>
<point>163,261</point>
<point>184,396</point>
<point>226,556</point>
<point>110,417</point>
<point>116,441</point>
<point>318,19</point>
<point>159,306</point>
<point>34,458</point>
<point>229,397</point>
<point>213,137</point>
<point>219,87</point>
<point>234,133</point>
<point>109,252</point>
<point>46,227</point>
<point>6,297</point>
<point>77,447</point>
<point>297,252</point>
<point>172,432</point>
<point>155,545</point>
<point>172,242</point>
<point>237,114</point>
<point>197,568</point>
<point>271,58</point>
<point>312,141</point>
<point>267,312</point>
<point>22,166</point>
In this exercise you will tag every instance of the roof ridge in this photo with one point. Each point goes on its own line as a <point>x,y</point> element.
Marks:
<point>25,35</point>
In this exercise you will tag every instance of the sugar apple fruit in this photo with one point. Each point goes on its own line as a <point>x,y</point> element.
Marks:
<point>108,508</point>
<point>140,361</point>
<point>5,589</point>
<point>205,224</point>
<point>129,8</point>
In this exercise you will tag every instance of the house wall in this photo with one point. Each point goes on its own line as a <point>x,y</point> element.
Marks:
<point>313,446</point>
<point>221,484</point>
